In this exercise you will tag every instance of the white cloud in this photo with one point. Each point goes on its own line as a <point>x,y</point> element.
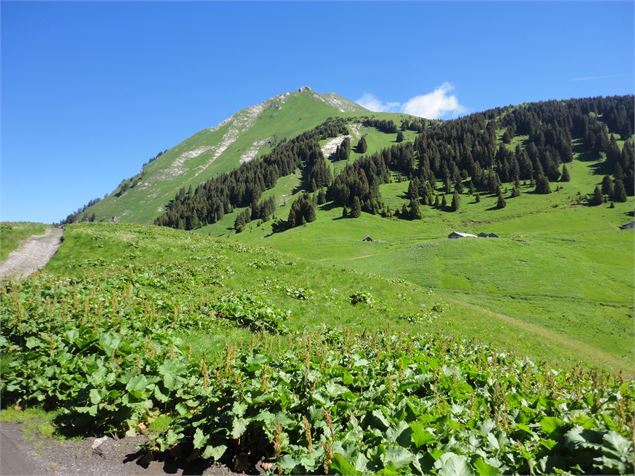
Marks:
<point>372,103</point>
<point>432,105</point>
<point>435,104</point>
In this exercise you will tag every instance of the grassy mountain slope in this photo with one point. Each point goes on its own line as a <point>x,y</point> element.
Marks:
<point>560,273</point>
<point>557,264</point>
<point>171,269</point>
<point>242,137</point>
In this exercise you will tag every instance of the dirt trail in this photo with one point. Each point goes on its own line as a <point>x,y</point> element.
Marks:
<point>32,254</point>
<point>556,337</point>
<point>38,455</point>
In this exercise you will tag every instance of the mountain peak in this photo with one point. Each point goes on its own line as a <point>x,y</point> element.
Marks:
<point>238,139</point>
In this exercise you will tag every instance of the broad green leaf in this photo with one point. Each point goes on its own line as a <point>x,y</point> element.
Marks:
<point>159,395</point>
<point>214,452</point>
<point>181,409</point>
<point>551,424</point>
<point>380,419</point>
<point>420,436</point>
<point>485,469</point>
<point>287,463</point>
<point>239,408</point>
<point>199,438</point>
<point>170,370</point>
<point>137,386</point>
<point>491,439</point>
<point>95,397</point>
<point>524,428</point>
<point>451,464</point>
<point>32,342</point>
<point>398,456</point>
<point>239,426</point>
<point>109,342</point>
<point>341,466</point>
<point>616,444</point>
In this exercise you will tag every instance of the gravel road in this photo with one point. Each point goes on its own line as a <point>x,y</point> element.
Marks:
<point>32,254</point>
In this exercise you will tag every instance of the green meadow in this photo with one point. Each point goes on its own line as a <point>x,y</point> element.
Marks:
<point>560,271</point>
<point>182,269</point>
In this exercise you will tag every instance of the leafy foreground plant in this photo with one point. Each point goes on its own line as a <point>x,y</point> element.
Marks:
<point>350,404</point>
<point>110,360</point>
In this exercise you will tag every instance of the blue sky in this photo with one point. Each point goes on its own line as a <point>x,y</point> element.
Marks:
<point>90,91</point>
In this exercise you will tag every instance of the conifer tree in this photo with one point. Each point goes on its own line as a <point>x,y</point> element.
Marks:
<point>500,202</point>
<point>413,209</point>
<point>444,202</point>
<point>456,201</point>
<point>302,211</point>
<point>597,198</point>
<point>356,208</point>
<point>362,146</point>
<point>619,192</point>
<point>343,150</point>
<point>565,174</point>
<point>542,185</point>
<point>400,136</point>
<point>607,186</point>
<point>242,219</point>
<point>507,138</point>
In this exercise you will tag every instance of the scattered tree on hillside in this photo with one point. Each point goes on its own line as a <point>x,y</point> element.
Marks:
<point>400,136</point>
<point>356,208</point>
<point>500,203</point>
<point>242,219</point>
<point>565,174</point>
<point>302,211</point>
<point>607,186</point>
<point>362,146</point>
<point>317,172</point>
<point>597,198</point>
<point>619,192</point>
<point>264,209</point>
<point>542,185</point>
<point>413,212</point>
<point>456,201</point>
<point>321,197</point>
<point>343,150</point>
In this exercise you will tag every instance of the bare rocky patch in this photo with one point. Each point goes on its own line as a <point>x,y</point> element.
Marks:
<point>252,152</point>
<point>331,146</point>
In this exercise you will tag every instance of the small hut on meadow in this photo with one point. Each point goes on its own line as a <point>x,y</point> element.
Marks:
<point>458,234</point>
